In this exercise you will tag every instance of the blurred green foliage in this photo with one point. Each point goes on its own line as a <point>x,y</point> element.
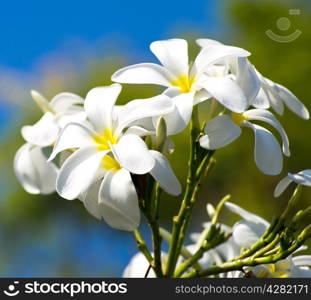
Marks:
<point>245,24</point>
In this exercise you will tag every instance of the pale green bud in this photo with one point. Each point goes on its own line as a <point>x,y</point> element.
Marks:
<point>41,101</point>
<point>161,134</point>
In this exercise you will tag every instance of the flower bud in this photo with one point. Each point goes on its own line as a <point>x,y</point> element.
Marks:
<point>161,134</point>
<point>41,101</point>
<point>210,210</point>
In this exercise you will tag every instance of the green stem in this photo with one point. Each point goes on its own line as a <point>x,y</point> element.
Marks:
<point>142,246</point>
<point>180,223</point>
<point>238,265</point>
<point>199,254</point>
<point>156,237</point>
<point>178,220</point>
<point>266,238</point>
<point>184,252</point>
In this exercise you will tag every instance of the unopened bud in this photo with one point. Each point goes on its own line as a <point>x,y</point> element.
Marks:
<point>210,210</point>
<point>41,101</point>
<point>161,134</point>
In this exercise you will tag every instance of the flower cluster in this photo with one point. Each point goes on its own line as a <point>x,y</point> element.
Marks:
<point>113,157</point>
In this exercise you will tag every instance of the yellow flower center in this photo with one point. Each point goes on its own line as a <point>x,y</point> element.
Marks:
<point>110,164</point>
<point>184,83</point>
<point>238,118</point>
<point>105,139</point>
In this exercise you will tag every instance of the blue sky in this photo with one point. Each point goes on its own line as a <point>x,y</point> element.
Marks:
<point>30,29</point>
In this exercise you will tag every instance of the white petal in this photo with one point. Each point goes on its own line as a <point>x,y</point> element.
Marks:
<point>164,175</point>
<point>145,73</point>
<point>132,154</point>
<point>138,267</point>
<point>207,42</point>
<point>90,199</point>
<point>200,96</point>
<point>78,172</point>
<point>36,175</point>
<point>43,133</point>
<point>268,117</point>
<point>268,153</point>
<point>281,186</point>
<point>119,199</point>
<point>275,102</point>
<point>247,233</point>
<point>302,260</point>
<point>246,215</point>
<point>140,109</point>
<point>99,104</point>
<point>173,54</point>
<point>303,177</point>
<point>214,53</point>
<point>219,132</point>
<point>229,249</point>
<point>140,131</point>
<point>292,102</point>
<point>247,79</point>
<point>79,116</point>
<point>172,91</point>
<point>227,92</point>
<point>64,101</point>
<point>261,100</point>
<point>73,136</point>
<point>302,272</point>
<point>179,118</point>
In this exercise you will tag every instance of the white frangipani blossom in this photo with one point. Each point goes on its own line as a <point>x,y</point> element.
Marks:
<point>247,231</point>
<point>269,94</point>
<point>301,178</point>
<point>187,85</point>
<point>115,199</point>
<point>237,68</point>
<point>36,175</point>
<point>107,153</point>
<point>224,129</point>
<point>275,95</point>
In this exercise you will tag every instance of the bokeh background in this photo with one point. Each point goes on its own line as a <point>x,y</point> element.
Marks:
<point>55,46</point>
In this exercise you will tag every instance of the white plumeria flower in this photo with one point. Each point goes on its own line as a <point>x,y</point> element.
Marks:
<point>224,129</point>
<point>248,231</point>
<point>36,175</point>
<point>276,96</point>
<point>115,199</point>
<point>62,109</point>
<point>301,178</point>
<point>187,85</point>
<point>236,68</point>
<point>269,94</point>
<point>106,150</point>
